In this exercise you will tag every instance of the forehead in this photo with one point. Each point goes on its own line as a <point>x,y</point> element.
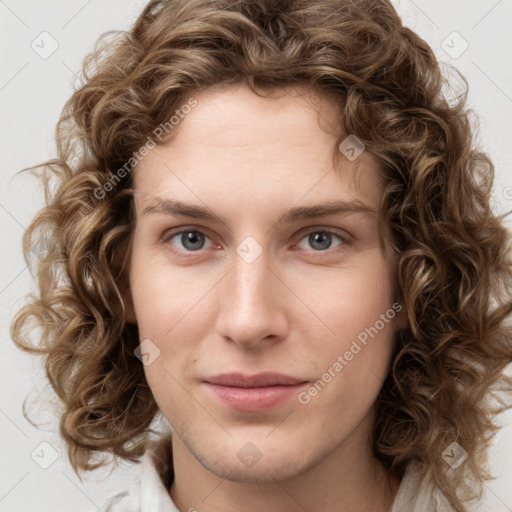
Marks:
<point>282,142</point>
<point>246,117</point>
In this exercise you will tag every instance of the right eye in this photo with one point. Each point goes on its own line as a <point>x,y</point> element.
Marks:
<point>191,240</point>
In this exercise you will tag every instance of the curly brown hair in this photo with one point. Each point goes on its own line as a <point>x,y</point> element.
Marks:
<point>454,269</point>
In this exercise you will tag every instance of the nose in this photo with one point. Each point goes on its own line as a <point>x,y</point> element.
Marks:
<point>252,304</point>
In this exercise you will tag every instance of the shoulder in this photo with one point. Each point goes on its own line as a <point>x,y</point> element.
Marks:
<point>150,491</point>
<point>416,492</point>
<point>122,502</point>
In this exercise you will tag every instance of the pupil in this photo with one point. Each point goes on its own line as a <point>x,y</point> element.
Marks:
<point>316,240</point>
<point>191,239</point>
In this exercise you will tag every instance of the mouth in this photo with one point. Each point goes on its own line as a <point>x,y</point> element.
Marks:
<point>253,393</point>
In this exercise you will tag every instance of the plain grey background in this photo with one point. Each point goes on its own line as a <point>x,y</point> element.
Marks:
<point>472,35</point>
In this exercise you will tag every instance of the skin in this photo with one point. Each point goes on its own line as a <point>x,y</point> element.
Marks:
<point>293,310</point>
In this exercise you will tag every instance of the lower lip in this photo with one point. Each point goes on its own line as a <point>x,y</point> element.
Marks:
<point>254,399</point>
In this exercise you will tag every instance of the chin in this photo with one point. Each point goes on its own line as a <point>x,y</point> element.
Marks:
<point>258,461</point>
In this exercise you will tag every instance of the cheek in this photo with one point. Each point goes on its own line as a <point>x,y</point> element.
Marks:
<point>165,298</point>
<point>349,300</point>
<point>164,301</point>
<point>356,304</point>
<point>352,363</point>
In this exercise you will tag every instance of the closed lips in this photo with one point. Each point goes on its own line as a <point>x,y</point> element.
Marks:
<point>254,381</point>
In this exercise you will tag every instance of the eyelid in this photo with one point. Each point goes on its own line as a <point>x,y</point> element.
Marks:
<point>171,233</point>
<point>341,233</point>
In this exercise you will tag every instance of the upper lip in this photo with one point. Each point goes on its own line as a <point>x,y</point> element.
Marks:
<point>259,380</point>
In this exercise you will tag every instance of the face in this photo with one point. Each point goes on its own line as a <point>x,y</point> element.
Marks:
<point>237,275</point>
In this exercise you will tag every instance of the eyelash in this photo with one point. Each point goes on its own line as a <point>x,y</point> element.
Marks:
<point>167,237</point>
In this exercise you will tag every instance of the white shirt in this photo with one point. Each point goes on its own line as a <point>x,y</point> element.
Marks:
<point>150,492</point>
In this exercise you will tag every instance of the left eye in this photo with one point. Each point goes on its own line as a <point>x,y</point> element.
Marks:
<point>321,239</point>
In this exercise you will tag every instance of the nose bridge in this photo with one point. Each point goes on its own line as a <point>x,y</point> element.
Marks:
<point>250,308</point>
<point>251,283</point>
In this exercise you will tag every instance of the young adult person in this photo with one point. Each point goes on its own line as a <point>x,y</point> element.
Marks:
<point>268,225</point>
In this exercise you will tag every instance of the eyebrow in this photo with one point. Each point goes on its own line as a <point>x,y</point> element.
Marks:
<point>175,207</point>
